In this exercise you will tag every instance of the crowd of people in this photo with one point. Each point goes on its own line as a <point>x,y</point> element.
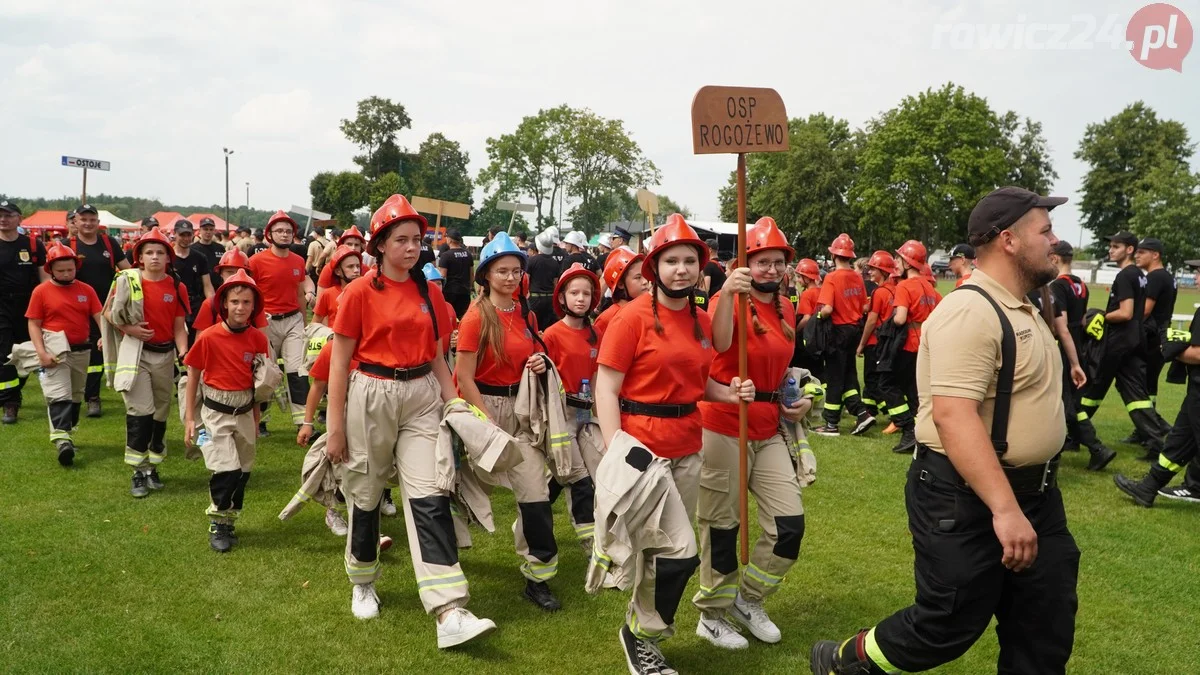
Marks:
<point>546,366</point>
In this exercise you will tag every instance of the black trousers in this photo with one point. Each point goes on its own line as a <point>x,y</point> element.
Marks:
<point>1079,426</point>
<point>542,307</point>
<point>841,371</point>
<point>1128,370</point>
<point>95,373</point>
<point>1183,441</point>
<point>961,583</point>
<point>872,394</point>
<point>459,301</point>
<point>1154,365</point>
<point>899,387</point>
<point>14,329</point>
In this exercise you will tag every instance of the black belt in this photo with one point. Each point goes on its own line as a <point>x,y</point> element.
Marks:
<point>1025,480</point>
<point>228,409</point>
<point>402,374</point>
<point>539,294</point>
<point>762,396</point>
<point>576,402</point>
<point>508,390</point>
<point>159,347</point>
<point>85,347</point>
<point>285,315</point>
<point>657,409</point>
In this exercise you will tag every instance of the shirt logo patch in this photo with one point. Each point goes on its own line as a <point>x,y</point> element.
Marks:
<point>81,298</point>
<point>593,353</point>
<point>24,256</point>
<point>105,254</point>
<point>247,357</point>
<point>167,297</point>
<point>528,335</point>
<point>1025,335</point>
<point>295,272</point>
<point>424,309</point>
<point>704,344</point>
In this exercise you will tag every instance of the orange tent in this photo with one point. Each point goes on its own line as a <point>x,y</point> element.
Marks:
<point>166,220</point>
<point>40,220</point>
<point>222,226</point>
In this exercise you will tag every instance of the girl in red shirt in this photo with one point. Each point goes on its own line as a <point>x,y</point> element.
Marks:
<point>879,269</point>
<point>654,366</point>
<point>497,341</point>
<point>346,264</point>
<point>63,304</point>
<point>387,413</point>
<point>573,345</point>
<point>622,274</point>
<point>772,476</point>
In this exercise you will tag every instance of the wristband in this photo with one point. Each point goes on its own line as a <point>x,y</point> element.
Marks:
<point>306,424</point>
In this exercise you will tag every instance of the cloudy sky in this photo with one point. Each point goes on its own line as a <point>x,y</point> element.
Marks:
<point>158,88</point>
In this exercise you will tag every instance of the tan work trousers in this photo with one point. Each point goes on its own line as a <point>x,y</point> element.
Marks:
<point>776,489</point>
<point>394,424</point>
<point>153,386</point>
<point>668,552</point>
<point>230,445</point>
<point>62,386</point>
<point>533,532</point>
<point>286,337</point>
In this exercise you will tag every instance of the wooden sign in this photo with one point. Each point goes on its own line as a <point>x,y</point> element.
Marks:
<point>648,203</point>
<point>441,208</point>
<point>738,119</point>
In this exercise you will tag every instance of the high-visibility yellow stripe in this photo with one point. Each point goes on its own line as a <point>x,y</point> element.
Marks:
<point>1168,464</point>
<point>869,401</point>
<point>218,513</point>
<point>11,384</point>
<point>95,369</point>
<point>1081,416</point>
<point>1138,405</point>
<point>902,408</point>
<point>1090,402</point>
<point>876,655</point>
<point>640,633</point>
<point>134,458</point>
<point>759,574</point>
<point>440,581</point>
<point>585,530</point>
<point>539,571</point>
<point>846,395</point>
<point>728,591</point>
<point>57,435</point>
<point>833,406</point>
<point>368,570</point>
<point>157,457</point>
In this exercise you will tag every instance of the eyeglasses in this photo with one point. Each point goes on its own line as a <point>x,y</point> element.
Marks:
<point>509,274</point>
<point>766,265</point>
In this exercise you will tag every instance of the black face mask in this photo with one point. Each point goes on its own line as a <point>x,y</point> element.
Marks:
<point>765,287</point>
<point>676,295</point>
<point>235,331</point>
<point>62,283</point>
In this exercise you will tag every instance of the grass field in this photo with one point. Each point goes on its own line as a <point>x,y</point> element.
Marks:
<point>95,581</point>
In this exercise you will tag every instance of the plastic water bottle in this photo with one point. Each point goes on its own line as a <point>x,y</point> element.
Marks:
<point>791,392</point>
<point>584,415</point>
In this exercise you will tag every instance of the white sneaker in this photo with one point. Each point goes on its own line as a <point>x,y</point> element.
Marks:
<point>460,626</point>
<point>720,633</point>
<point>364,602</point>
<point>388,508</point>
<point>755,619</point>
<point>336,522</point>
<point>385,542</point>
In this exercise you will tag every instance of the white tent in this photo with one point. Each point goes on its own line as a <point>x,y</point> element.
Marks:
<point>111,222</point>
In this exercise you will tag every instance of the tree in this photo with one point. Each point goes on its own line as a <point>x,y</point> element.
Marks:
<point>925,163</point>
<point>345,193</point>
<point>375,126</point>
<point>387,185</point>
<point>488,216</point>
<point>1167,207</point>
<point>316,190</point>
<point>667,206</point>
<point>532,160</point>
<point>1121,152</point>
<point>603,160</point>
<point>441,171</point>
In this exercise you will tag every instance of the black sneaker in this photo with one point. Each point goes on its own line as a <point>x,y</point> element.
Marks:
<point>218,537</point>
<point>640,655</point>
<point>138,485</point>
<point>233,533</point>
<point>865,422</point>
<point>262,430</point>
<point>827,429</point>
<point>539,594</point>
<point>1182,493</point>
<point>1070,445</point>
<point>66,453</point>
<point>1142,493</point>
<point>93,408</point>
<point>152,480</point>
<point>908,441</point>
<point>1101,456</point>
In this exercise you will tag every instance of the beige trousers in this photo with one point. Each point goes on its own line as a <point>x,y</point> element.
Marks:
<point>287,341</point>
<point>153,386</point>
<point>63,385</point>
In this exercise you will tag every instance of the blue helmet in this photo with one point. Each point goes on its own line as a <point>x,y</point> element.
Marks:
<point>498,247</point>
<point>431,273</point>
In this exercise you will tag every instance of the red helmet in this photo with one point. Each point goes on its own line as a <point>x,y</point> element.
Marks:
<point>154,236</point>
<point>674,231</point>
<point>239,279</point>
<point>394,210</point>
<point>807,267</point>
<point>618,261</point>
<point>233,259</point>
<point>576,270</point>
<point>913,253</point>
<point>60,229</point>
<point>882,261</point>
<point>765,235</point>
<point>351,233</point>
<point>843,246</point>
<point>282,217</point>
<point>340,254</point>
<point>927,272</point>
<point>58,252</point>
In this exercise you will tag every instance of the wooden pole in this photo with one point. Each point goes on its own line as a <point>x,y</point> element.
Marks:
<point>83,194</point>
<point>743,408</point>
<point>512,220</point>
<point>438,237</point>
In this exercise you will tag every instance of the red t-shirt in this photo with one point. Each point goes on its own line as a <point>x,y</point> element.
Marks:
<point>206,317</point>
<point>668,368</point>
<point>772,354</point>
<point>606,317</point>
<point>325,278</point>
<point>320,367</point>
<point>881,304</point>
<point>518,346</point>
<point>573,355</point>
<point>920,298</point>
<point>277,279</point>
<point>392,326</point>
<point>64,308</point>
<point>227,358</point>
<point>327,304</point>
<point>449,321</point>
<point>844,291</point>
<point>808,301</point>
<point>961,280</point>
<point>161,303</point>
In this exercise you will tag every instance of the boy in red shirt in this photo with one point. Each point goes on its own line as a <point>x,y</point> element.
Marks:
<point>843,300</point>
<point>808,277</point>
<point>915,299</point>
<point>879,269</point>
<point>223,359</point>
<point>63,304</point>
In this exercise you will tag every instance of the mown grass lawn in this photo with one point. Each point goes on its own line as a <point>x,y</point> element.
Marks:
<point>92,580</point>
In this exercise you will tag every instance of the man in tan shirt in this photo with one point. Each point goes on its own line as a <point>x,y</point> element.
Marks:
<point>986,516</point>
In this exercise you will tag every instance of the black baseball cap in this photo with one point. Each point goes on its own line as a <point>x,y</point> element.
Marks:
<point>207,222</point>
<point>1150,244</point>
<point>963,251</point>
<point>86,208</point>
<point>184,225</point>
<point>149,221</point>
<point>454,235</point>
<point>10,207</point>
<point>1001,209</point>
<point>1124,237</point>
<point>1063,249</point>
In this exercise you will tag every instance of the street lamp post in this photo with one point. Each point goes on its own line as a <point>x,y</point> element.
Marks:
<point>227,152</point>
<point>247,196</point>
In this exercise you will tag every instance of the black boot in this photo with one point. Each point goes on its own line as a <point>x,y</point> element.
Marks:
<point>1145,490</point>
<point>539,594</point>
<point>1101,456</point>
<point>831,658</point>
<point>908,440</point>
<point>66,452</point>
<point>219,537</point>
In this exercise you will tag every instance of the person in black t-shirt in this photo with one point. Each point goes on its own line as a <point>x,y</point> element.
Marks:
<point>1160,306</point>
<point>260,243</point>
<point>426,255</point>
<point>576,245</point>
<point>712,278</point>
<point>1124,348</point>
<point>102,257</point>
<point>212,250</point>
<point>21,260</point>
<point>193,272</point>
<point>457,267</point>
<point>543,272</point>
